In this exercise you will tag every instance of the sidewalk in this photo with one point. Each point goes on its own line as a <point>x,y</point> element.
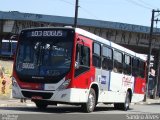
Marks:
<point>150,101</point>
<point>15,103</point>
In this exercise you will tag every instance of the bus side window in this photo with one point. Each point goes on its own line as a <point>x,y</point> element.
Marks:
<point>118,62</point>
<point>82,60</point>
<point>141,68</point>
<point>135,67</point>
<point>86,56</point>
<point>83,55</point>
<point>127,64</point>
<point>96,55</point>
<point>107,59</point>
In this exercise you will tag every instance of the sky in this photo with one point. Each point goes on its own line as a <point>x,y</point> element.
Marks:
<point>136,12</point>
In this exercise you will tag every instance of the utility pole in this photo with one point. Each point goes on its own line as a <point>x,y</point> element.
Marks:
<point>157,65</point>
<point>157,75</point>
<point>76,14</point>
<point>149,55</point>
<point>150,51</point>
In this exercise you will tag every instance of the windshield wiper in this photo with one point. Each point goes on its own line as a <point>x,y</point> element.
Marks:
<point>38,49</point>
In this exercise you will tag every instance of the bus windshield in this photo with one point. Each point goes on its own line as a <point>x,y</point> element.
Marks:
<point>44,57</point>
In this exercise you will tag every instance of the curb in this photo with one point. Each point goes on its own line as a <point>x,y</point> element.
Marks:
<point>147,103</point>
<point>31,105</point>
<point>17,105</point>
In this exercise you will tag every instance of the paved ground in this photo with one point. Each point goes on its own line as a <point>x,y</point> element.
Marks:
<point>16,102</point>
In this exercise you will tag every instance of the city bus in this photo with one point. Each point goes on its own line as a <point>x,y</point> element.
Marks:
<point>62,65</point>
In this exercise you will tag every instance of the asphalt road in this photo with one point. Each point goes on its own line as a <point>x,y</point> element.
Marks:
<point>103,112</point>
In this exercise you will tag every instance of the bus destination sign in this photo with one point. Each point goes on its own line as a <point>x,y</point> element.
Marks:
<point>47,33</point>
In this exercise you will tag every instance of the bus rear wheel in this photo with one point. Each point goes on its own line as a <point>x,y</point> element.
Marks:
<point>123,106</point>
<point>41,105</point>
<point>91,103</point>
<point>127,102</point>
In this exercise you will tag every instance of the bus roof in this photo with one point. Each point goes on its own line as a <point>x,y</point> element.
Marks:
<point>109,43</point>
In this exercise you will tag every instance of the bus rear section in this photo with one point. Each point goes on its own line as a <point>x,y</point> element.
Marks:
<point>70,65</point>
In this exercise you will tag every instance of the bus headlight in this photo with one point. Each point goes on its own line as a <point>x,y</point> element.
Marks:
<point>64,85</point>
<point>14,82</point>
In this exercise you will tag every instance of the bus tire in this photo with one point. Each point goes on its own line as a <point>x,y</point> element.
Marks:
<point>41,105</point>
<point>91,103</point>
<point>123,106</point>
<point>126,104</point>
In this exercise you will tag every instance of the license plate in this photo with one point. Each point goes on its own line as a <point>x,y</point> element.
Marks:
<point>36,97</point>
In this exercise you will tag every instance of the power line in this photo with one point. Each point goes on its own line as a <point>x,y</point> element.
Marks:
<point>67,2</point>
<point>88,12</point>
<point>147,4</point>
<point>82,8</point>
<point>138,4</point>
<point>157,15</point>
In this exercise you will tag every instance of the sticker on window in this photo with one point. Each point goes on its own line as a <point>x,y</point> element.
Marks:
<point>103,80</point>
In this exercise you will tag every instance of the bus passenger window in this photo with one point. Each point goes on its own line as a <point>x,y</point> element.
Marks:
<point>96,55</point>
<point>107,61</point>
<point>135,67</point>
<point>142,68</point>
<point>127,65</point>
<point>118,62</point>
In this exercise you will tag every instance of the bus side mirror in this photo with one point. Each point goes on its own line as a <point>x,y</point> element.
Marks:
<point>77,62</point>
<point>76,65</point>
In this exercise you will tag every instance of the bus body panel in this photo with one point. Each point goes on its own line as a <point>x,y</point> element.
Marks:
<point>139,87</point>
<point>137,97</point>
<point>83,80</point>
<point>120,82</point>
<point>70,95</point>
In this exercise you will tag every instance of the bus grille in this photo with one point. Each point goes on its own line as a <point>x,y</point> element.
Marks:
<point>44,95</point>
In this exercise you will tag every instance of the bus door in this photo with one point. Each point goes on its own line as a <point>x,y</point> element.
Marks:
<point>83,71</point>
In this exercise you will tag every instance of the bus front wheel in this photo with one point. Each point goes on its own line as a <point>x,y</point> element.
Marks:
<point>91,103</point>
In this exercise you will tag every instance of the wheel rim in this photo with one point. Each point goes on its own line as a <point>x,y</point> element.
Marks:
<point>91,102</point>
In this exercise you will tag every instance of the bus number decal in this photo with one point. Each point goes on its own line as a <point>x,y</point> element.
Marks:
<point>28,65</point>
